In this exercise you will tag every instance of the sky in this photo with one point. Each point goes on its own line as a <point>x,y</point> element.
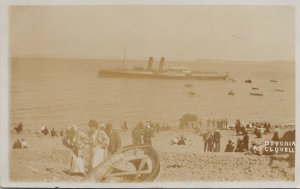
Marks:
<point>178,32</point>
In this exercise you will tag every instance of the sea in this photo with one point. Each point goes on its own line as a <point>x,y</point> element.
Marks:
<point>60,92</point>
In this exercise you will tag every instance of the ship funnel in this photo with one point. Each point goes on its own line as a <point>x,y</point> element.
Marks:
<point>161,64</point>
<point>150,63</point>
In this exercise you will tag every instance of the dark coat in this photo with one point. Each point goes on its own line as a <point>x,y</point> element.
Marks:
<point>148,133</point>
<point>114,143</point>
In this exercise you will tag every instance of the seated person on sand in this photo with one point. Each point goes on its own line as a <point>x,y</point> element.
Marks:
<point>76,141</point>
<point>230,146</point>
<point>53,133</point>
<point>24,143</point>
<point>253,150</point>
<point>45,131</point>
<point>239,145</point>
<point>17,144</point>
<point>182,140</point>
<point>174,140</point>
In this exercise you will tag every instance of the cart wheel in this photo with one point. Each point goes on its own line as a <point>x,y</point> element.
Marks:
<point>136,164</point>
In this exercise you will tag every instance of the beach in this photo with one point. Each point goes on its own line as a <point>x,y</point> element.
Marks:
<point>59,93</point>
<point>47,160</point>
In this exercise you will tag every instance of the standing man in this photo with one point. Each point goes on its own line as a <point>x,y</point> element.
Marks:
<point>210,141</point>
<point>147,134</point>
<point>205,139</point>
<point>217,141</point>
<point>114,139</point>
<point>246,141</point>
<point>237,127</point>
<point>137,134</point>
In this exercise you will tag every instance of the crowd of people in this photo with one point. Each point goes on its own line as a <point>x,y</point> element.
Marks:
<point>142,133</point>
<point>220,123</point>
<point>100,142</point>
<point>192,121</point>
<point>212,141</point>
<point>257,128</point>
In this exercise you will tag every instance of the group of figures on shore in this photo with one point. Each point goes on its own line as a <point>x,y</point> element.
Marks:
<point>212,138</point>
<point>102,140</point>
<point>155,127</point>
<point>188,121</point>
<point>88,151</point>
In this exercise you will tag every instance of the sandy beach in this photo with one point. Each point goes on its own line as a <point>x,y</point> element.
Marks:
<point>47,160</point>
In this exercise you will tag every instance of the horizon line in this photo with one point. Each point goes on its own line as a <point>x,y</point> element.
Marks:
<point>146,59</point>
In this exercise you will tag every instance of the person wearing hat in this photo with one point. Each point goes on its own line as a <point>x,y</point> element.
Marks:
<point>99,142</point>
<point>76,141</point>
<point>114,139</point>
<point>229,146</point>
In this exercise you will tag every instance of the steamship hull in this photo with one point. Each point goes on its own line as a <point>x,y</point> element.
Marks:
<point>152,75</point>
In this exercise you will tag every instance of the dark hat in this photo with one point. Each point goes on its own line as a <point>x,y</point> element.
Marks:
<point>93,123</point>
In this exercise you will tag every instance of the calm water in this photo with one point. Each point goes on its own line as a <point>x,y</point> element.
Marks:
<point>57,93</point>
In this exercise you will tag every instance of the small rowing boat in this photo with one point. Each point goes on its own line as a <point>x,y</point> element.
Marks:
<point>256,94</point>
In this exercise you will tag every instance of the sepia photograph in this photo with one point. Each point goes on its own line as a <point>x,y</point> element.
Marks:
<point>150,93</point>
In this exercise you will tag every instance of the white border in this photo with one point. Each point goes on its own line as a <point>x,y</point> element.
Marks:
<point>4,70</point>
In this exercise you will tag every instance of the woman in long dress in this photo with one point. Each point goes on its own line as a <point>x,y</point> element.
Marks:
<point>99,142</point>
<point>77,142</point>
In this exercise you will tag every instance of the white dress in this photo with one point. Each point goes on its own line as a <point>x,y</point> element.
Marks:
<point>99,144</point>
<point>77,161</point>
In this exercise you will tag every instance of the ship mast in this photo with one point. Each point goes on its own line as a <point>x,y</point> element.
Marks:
<point>124,58</point>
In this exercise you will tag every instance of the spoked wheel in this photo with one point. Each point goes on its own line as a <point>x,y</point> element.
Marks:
<point>131,164</point>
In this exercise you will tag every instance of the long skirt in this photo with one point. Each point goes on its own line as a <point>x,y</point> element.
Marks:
<point>98,156</point>
<point>77,164</point>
